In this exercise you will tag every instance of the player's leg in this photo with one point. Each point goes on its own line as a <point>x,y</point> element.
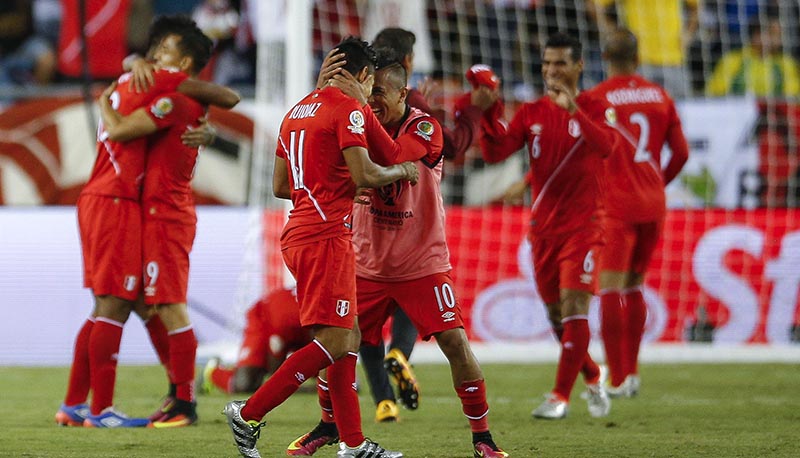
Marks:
<point>166,281</point>
<point>647,239</point>
<point>431,304</point>
<point>374,309</point>
<point>326,432</point>
<point>395,362</point>
<point>615,260</point>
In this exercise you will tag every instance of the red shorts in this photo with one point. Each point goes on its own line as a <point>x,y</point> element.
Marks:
<point>111,240</point>
<point>325,271</point>
<point>166,260</point>
<point>629,246</point>
<point>430,302</point>
<point>264,338</point>
<point>566,261</point>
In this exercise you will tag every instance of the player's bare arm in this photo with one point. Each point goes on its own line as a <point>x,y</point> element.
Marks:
<point>280,179</point>
<point>209,93</point>
<point>123,128</point>
<point>367,174</point>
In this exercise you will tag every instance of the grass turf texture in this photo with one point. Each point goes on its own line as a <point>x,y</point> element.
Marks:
<point>720,410</point>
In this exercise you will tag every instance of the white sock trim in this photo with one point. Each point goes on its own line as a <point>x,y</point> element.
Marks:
<point>574,318</point>
<point>180,330</point>
<point>479,417</point>
<point>322,347</point>
<point>109,321</point>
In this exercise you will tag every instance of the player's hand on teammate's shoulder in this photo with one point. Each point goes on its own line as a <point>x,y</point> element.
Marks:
<point>203,135</point>
<point>411,172</point>
<point>142,75</point>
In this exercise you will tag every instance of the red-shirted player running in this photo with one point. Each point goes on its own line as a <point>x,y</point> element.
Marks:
<point>567,138</point>
<point>320,159</point>
<point>110,223</point>
<point>635,203</point>
<point>402,259</point>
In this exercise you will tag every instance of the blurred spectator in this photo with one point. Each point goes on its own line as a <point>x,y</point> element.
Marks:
<point>226,23</point>
<point>27,47</point>
<point>169,7</point>
<point>663,36</point>
<point>760,67</point>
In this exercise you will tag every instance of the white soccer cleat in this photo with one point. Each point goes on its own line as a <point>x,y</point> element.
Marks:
<point>367,449</point>
<point>553,408</point>
<point>597,400</point>
<point>634,384</point>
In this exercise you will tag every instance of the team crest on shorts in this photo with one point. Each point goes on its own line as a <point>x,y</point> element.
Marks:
<point>342,307</point>
<point>574,128</point>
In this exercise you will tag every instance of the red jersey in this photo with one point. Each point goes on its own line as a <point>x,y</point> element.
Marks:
<point>119,167</point>
<point>566,155</point>
<point>312,137</point>
<point>400,236</point>
<point>647,119</point>
<point>106,33</point>
<point>167,191</point>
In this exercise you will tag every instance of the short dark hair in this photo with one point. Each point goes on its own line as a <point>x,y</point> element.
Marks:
<point>622,47</point>
<point>357,54</point>
<point>400,40</point>
<point>193,43</point>
<point>563,40</point>
<point>387,61</point>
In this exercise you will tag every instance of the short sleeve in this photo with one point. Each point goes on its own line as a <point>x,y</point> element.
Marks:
<point>350,123</point>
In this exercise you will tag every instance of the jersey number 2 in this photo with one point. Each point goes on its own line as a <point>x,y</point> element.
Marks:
<point>642,155</point>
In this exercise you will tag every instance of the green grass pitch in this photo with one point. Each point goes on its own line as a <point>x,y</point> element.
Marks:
<point>716,410</point>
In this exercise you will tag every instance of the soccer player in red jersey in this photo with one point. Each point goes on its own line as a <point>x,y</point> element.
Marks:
<point>272,331</point>
<point>402,259</point>
<point>635,203</point>
<point>109,218</point>
<point>567,134</point>
<point>320,160</point>
<point>168,213</point>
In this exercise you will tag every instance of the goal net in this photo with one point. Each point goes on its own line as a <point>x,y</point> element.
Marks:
<point>726,268</point>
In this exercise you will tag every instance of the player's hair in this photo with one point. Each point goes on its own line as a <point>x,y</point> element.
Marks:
<point>400,40</point>
<point>562,40</point>
<point>387,62</point>
<point>193,42</point>
<point>622,47</point>
<point>358,54</point>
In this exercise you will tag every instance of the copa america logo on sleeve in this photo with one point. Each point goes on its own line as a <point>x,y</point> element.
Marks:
<point>425,129</point>
<point>356,122</point>
<point>162,107</point>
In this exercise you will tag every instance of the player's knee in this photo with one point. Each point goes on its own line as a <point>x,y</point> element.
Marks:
<point>453,343</point>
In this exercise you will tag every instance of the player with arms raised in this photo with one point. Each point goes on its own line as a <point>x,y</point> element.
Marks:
<point>321,158</point>
<point>567,137</point>
<point>635,203</point>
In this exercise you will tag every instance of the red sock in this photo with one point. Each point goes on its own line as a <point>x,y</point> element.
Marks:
<point>325,404</point>
<point>182,352</point>
<point>103,352</point>
<point>612,328</point>
<point>474,405</point>
<point>78,386</point>
<point>637,316</point>
<point>222,379</point>
<point>574,346</point>
<point>344,399</point>
<point>302,364</point>
<point>589,369</point>
<point>160,340</point>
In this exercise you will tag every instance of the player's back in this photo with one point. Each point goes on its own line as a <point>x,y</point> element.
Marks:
<point>312,137</point>
<point>167,190</point>
<point>119,167</point>
<point>645,115</point>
